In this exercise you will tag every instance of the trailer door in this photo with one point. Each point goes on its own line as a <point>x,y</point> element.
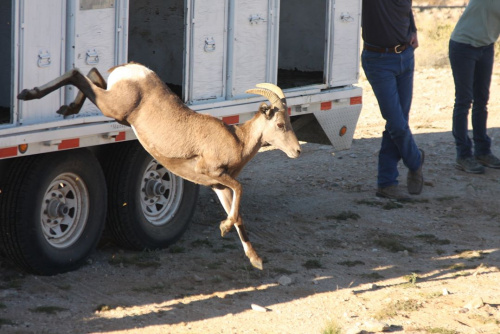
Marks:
<point>41,53</point>
<point>207,50</point>
<point>344,42</point>
<point>251,45</point>
<point>95,32</point>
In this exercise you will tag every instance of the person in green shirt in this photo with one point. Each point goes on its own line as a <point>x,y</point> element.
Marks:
<point>471,53</point>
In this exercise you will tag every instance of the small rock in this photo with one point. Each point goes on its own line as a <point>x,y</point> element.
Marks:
<point>445,292</point>
<point>197,278</point>
<point>6,293</point>
<point>354,330</point>
<point>475,303</point>
<point>284,280</point>
<point>258,308</point>
<point>375,326</point>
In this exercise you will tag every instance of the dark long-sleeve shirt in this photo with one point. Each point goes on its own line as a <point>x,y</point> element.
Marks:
<point>387,23</point>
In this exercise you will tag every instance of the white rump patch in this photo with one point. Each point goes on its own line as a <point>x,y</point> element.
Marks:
<point>131,72</point>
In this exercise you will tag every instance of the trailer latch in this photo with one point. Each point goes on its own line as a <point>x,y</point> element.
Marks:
<point>346,17</point>
<point>92,57</point>
<point>209,44</point>
<point>44,59</point>
<point>256,18</point>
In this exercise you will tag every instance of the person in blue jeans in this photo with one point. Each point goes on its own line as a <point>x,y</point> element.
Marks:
<point>471,52</point>
<point>389,39</point>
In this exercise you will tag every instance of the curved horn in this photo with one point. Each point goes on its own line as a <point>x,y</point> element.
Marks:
<point>271,96</point>
<point>273,88</point>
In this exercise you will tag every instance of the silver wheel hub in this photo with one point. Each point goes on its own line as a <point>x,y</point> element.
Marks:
<point>161,194</point>
<point>65,210</point>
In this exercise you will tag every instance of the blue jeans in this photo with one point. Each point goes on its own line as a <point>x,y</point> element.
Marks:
<point>391,77</point>
<point>472,68</point>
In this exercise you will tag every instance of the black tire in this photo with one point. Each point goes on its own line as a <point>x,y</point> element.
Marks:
<point>52,211</point>
<point>140,217</point>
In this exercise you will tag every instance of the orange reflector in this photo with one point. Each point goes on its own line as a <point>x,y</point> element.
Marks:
<point>231,119</point>
<point>23,148</point>
<point>8,152</point>
<point>326,105</point>
<point>356,100</point>
<point>120,136</point>
<point>342,131</point>
<point>69,143</point>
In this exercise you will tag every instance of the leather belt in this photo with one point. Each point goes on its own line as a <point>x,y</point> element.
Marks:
<point>395,49</point>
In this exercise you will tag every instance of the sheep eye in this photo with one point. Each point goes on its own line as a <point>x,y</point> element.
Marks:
<point>281,125</point>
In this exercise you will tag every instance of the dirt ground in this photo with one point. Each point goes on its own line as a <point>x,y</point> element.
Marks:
<point>337,258</point>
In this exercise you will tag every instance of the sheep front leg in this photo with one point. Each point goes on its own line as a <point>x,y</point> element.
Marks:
<point>229,193</point>
<point>255,260</point>
<point>225,196</point>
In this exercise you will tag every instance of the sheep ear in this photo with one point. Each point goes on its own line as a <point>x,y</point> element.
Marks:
<point>266,110</point>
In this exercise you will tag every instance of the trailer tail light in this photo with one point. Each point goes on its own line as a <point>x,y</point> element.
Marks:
<point>23,148</point>
<point>356,100</point>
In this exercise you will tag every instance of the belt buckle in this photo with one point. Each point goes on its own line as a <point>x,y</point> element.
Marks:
<point>396,49</point>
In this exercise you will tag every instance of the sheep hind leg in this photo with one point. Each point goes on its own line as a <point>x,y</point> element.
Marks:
<point>77,104</point>
<point>39,92</point>
<point>226,199</point>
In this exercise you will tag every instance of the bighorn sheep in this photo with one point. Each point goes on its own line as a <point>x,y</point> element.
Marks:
<point>199,148</point>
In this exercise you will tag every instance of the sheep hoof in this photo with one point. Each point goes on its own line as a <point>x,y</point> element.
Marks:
<point>68,110</point>
<point>257,263</point>
<point>28,94</point>
<point>63,110</point>
<point>225,227</point>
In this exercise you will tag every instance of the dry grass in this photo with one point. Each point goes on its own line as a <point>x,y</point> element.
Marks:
<point>434,30</point>
<point>440,2</point>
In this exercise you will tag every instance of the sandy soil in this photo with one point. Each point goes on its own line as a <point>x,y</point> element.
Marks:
<point>336,256</point>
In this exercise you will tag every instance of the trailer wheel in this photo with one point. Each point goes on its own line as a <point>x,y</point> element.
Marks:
<point>53,211</point>
<point>148,206</point>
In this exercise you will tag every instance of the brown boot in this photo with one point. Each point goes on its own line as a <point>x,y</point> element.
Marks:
<point>392,192</point>
<point>415,179</point>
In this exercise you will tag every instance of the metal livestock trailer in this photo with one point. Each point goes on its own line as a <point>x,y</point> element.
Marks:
<point>63,178</point>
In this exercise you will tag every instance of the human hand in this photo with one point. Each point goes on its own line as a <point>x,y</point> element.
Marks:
<point>414,40</point>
